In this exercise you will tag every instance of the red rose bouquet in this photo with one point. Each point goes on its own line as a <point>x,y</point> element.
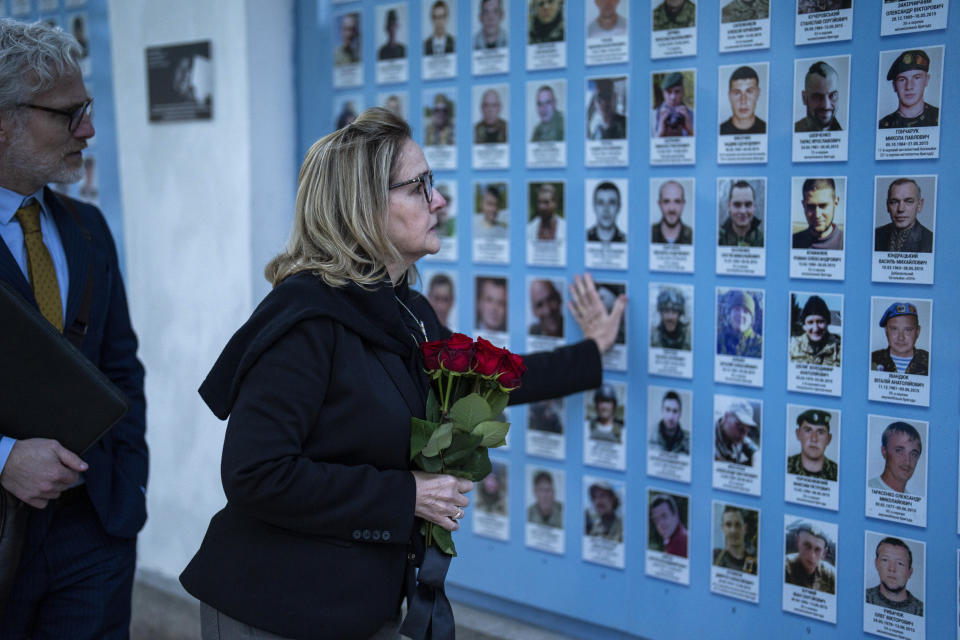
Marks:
<point>470,385</point>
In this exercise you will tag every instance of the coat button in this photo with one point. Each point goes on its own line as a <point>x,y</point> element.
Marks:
<point>376,534</point>
<point>411,556</point>
<point>366,534</point>
<point>356,534</point>
<point>385,536</point>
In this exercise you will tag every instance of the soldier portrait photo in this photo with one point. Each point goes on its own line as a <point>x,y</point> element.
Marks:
<point>670,229</point>
<point>549,123</point>
<point>490,33</point>
<point>439,119</point>
<point>545,510</point>
<point>606,210</point>
<point>810,338</point>
<point>439,41</point>
<point>491,128</point>
<point>902,203</point>
<point>669,435</point>
<point>910,75</point>
<point>605,415</point>
<point>901,448</point>
<point>739,529</point>
<point>740,323</point>
<point>673,96</point>
<point>667,531</point>
<point>741,212</point>
<point>546,219</point>
<point>491,496</point>
<point>743,10</point>
<point>491,215</point>
<point>392,47</point>
<point>811,557</point>
<point>894,564</point>
<point>607,108</point>
<point>602,518</point>
<point>611,19</point>
<point>736,435</point>
<point>349,49</point>
<point>821,96</point>
<point>671,326</point>
<point>674,14</point>
<point>819,6</point>
<point>813,434</point>
<point>744,95</point>
<point>823,215</point>
<point>545,19</point>
<point>901,328</point>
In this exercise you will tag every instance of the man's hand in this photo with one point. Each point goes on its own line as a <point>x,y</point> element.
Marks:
<point>596,322</point>
<point>39,470</point>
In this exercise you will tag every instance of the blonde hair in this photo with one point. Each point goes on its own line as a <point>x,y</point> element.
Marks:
<point>340,217</point>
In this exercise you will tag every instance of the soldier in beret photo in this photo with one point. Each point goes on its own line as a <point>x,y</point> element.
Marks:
<point>813,433</point>
<point>909,75</point>
<point>901,324</point>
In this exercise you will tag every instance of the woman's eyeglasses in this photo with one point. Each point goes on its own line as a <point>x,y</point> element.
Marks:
<point>426,179</point>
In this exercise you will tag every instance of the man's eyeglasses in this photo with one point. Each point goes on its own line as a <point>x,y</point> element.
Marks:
<point>426,179</point>
<point>76,115</point>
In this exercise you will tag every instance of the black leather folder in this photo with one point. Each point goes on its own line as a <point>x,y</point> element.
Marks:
<point>49,389</point>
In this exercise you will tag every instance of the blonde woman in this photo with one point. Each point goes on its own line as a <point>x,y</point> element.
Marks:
<point>319,537</point>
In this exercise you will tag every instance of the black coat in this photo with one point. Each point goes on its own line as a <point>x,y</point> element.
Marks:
<point>320,385</point>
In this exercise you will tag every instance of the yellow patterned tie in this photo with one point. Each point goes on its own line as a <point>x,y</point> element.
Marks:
<point>43,276</point>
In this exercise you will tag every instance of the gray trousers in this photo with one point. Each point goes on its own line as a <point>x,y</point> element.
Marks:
<point>215,625</point>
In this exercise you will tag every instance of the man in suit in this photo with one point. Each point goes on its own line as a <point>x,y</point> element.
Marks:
<point>904,232</point>
<point>76,571</point>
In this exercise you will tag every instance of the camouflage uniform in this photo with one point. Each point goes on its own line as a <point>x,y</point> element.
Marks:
<point>729,237</point>
<point>437,136</point>
<point>929,118</point>
<point>741,10</point>
<point>678,443</point>
<point>549,131</point>
<point>685,17</point>
<point>801,350</point>
<point>824,578</point>
<point>747,344</point>
<point>880,360</point>
<point>911,605</point>
<point>679,339</point>
<point>827,472</point>
<point>483,134</point>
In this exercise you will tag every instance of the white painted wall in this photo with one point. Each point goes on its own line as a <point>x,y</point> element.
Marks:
<point>205,204</point>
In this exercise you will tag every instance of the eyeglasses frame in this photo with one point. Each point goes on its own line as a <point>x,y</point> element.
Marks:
<point>425,178</point>
<point>76,116</point>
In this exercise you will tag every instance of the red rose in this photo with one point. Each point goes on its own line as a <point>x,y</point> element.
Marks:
<point>457,353</point>
<point>431,351</point>
<point>486,357</point>
<point>511,370</point>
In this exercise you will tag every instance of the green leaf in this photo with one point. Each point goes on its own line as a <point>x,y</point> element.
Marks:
<point>443,539</point>
<point>433,406</point>
<point>430,465</point>
<point>440,439</point>
<point>493,433</point>
<point>469,411</point>
<point>420,432</point>
<point>476,467</point>
<point>460,447</point>
<point>498,402</point>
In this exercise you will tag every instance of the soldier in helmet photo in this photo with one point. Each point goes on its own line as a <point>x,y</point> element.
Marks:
<point>607,426</point>
<point>673,331</point>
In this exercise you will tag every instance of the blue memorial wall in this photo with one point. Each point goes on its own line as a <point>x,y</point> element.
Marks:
<point>601,587</point>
